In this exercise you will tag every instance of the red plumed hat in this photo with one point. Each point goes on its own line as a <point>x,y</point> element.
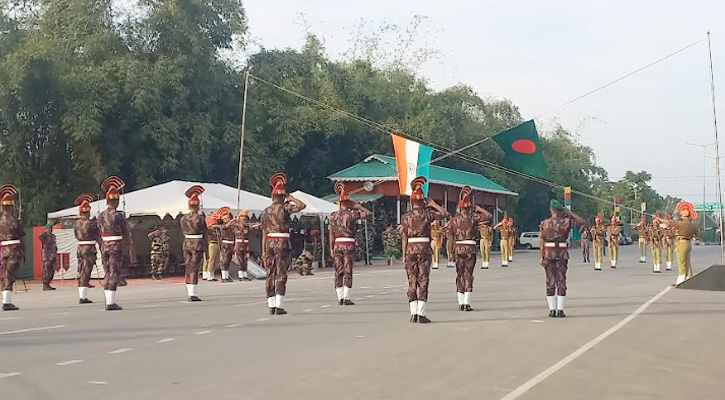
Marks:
<point>417,186</point>
<point>278,181</point>
<point>193,194</point>
<point>598,217</point>
<point>224,211</point>
<point>686,209</point>
<point>7,194</point>
<point>464,197</point>
<point>340,191</point>
<point>112,185</point>
<point>84,202</point>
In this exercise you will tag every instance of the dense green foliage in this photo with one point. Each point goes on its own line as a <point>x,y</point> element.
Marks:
<point>85,93</point>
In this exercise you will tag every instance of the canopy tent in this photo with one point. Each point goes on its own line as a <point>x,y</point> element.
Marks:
<point>315,205</point>
<point>168,198</point>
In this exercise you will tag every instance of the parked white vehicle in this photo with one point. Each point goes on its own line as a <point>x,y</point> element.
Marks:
<point>529,240</point>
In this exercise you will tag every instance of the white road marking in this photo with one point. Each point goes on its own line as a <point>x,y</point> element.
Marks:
<point>370,295</point>
<point>9,374</point>
<point>98,382</point>
<point>234,326</point>
<point>537,321</point>
<point>150,306</point>
<point>519,391</point>
<point>384,293</point>
<point>262,319</point>
<point>69,362</point>
<point>364,287</point>
<point>307,310</point>
<point>42,328</point>
<point>202,332</point>
<point>61,313</point>
<point>119,351</point>
<point>326,305</point>
<point>359,337</point>
<point>167,340</point>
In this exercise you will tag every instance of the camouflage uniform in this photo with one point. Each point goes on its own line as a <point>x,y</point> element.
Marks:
<point>554,233</point>
<point>159,251</point>
<point>50,249</point>
<point>391,243</point>
<point>13,254</point>
<point>241,248</point>
<point>343,226</point>
<point>227,249</point>
<point>88,234</point>
<point>586,238</point>
<point>277,258</point>
<point>303,263</point>
<point>193,226</point>
<point>114,251</point>
<point>464,231</point>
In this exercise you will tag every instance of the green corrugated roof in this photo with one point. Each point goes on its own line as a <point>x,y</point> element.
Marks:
<point>379,167</point>
<point>359,197</point>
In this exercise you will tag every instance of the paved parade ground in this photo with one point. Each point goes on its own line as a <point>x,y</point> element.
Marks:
<point>612,346</point>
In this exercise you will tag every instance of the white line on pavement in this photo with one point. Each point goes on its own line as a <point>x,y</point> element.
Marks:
<point>98,382</point>
<point>9,374</point>
<point>519,391</point>
<point>234,326</point>
<point>262,319</point>
<point>202,332</point>
<point>326,305</point>
<point>69,362</point>
<point>119,351</point>
<point>150,306</point>
<point>42,328</point>
<point>167,340</point>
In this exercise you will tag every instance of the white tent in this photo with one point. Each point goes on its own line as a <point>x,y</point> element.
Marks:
<point>168,198</point>
<point>315,205</point>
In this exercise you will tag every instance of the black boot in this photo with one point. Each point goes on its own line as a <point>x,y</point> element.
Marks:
<point>10,307</point>
<point>272,310</point>
<point>113,307</point>
<point>84,301</point>
<point>552,313</point>
<point>414,318</point>
<point>468,307</point>
<point>193,298</point>
<point>341,302</point>
<point>280,311</point>
<point>46,286</point>
<point>560,314</point>
<point>422,319</point>
<point>349,302</point>
<point>462,307</point>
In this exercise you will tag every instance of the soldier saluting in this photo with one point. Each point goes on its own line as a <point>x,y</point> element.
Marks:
<point>241,242</point>
<point>193,226</point>
<point>598,238</point>
<point>226,235</point>
<point>613,231</point>
<point>553,237</point>
<point>417,253</point>
<point>12,244</point>
<point>685,230</point>
<point>343,227</point>
<point>276,248</point>
<point>88,235</point>
<point>464,230</point>
<point>50,251</point>
<point>116,237</point>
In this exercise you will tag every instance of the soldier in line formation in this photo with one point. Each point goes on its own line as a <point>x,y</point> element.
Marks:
<point>586,238</point>
<point>436,241</point>
<point>88,235</point>
<point>598,230</point>
<point>643,232</point>
<point>50,250</point>
<point>343,228</point>
<point>684,230</point>
<point>12,244</point>
<point>485,230</point>
<point>504,228</point>
<point>159,251</point>
<point>613,231</point>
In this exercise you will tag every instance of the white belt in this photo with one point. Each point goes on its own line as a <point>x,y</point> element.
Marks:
<point>199,236</point>
<point>344,240</point>
<point>111,238</point>
<point>86,242</point>
<point>228,241</point>
<point>241,241</point>
<point>555,244</point>
<point>418,240</point>
<point>278,235</point>
<point>466,242</point>
<point>9,242</point>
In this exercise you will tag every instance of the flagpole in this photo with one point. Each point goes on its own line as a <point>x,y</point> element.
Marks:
<point>717,152</point>
<point>241,140</point>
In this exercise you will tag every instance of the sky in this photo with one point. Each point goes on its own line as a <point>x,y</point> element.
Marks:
<point>542,54</point>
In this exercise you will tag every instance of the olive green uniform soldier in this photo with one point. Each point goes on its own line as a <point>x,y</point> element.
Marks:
<point>303,263</point>
<point>392,244</point>
<point>159,251</point>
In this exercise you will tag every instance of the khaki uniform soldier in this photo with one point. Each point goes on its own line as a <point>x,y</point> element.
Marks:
<point>117,248</point>
<point>656,236</point>
<point>88,235</point>
<point>436,241</point>
<point>241,243</point>
<point>211,256</point>
<point>343,228</point>
<point>553,234</point>
<point>669,241</point>
<point>486,232</point>
<point>464,229</point>
<point>159,251</point>
<point>276,248</point>
<point>685,230</point>
<point>586,236</point>
<point>416,228</point>
<point>643,240</point>
<point>598,238</point>
<point>50,251</point>
<point>450,254</point>
<point>613,232</point>
<point>194,229</point>
<point>504,231</point>
<point>512,239</point>
<point>12,244</point>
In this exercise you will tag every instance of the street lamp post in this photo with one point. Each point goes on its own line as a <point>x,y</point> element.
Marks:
<point>704,175</point>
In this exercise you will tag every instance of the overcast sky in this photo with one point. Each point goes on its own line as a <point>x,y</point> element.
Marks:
<point>541,54</point>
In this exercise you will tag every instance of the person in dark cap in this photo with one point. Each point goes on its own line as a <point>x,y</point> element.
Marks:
<point>553,237</point>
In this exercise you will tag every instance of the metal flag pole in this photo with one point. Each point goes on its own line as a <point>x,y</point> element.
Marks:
<point>717,151</point>
<point>241,139</point>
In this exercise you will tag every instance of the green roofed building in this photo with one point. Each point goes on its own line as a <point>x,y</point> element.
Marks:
<point>375,180</point>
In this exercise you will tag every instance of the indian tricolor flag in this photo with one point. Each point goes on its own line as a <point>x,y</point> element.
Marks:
<point>412,159</point>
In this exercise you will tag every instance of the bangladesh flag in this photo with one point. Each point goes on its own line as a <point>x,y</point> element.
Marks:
<point>522,148</point>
